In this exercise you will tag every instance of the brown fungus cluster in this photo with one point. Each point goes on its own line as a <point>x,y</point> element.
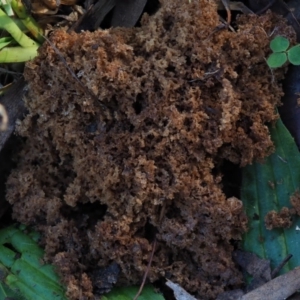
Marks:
<point>284,217</point>
<point>102,177</point>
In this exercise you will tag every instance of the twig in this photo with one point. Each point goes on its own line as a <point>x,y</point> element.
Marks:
<point>147,270</point>
<point>280,266</point>
<point>161,215</point>
<point>226,5</point>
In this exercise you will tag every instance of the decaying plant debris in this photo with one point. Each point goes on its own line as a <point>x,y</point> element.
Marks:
<point>284,217</point>
<point>181,97</point>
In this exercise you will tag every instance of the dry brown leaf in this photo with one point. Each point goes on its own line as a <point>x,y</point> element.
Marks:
<point>258,268</point>
<point>94,15</point>
<point>179,292</point>
<point>277,289</point>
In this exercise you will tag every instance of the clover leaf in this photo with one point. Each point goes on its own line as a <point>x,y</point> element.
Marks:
<point>282,53</point>
<point>277,60</point>
<point>294,55</point>
<point>279,44</point>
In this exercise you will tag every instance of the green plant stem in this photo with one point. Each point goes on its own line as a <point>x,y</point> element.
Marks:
<point>10,26</point>
<point>17,54</point>
<point>28,21</point>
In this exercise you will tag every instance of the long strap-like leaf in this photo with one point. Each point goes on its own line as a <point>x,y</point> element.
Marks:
<point>268,186</point>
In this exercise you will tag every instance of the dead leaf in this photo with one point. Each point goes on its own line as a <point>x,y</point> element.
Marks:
<point>258,268</point>
<point>179,292</point>
<point>91,20</point>
<point>14,107</point>
<point>4,118</point>
<point>230,5</point>
<point>261,5</point>
<point>231,295</point>
<point>277,289</point>
<point>127,13</point>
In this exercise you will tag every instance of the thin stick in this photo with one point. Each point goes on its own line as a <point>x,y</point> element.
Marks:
<point>147,270</point>
<point>227,7</point>
<point>280,266</point>
<point>161,215</point>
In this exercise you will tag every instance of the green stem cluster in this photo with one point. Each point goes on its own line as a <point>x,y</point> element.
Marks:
<point>28,47</point>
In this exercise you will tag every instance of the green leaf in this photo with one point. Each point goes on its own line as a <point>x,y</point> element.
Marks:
<point>21,270</point>
<point>279,44</point>
<point>5,41</point>
<point>268,186</point>
<point>294,55</point>
<point>8,10</point>
<point>7,293</point>
<point>2,45</point>
<point>277,60</point>
<point>128,293</point>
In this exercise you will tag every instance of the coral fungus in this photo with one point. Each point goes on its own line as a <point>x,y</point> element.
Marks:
<point>100,178</point>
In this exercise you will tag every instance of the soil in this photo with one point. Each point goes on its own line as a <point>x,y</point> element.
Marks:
<point>134,155</point>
